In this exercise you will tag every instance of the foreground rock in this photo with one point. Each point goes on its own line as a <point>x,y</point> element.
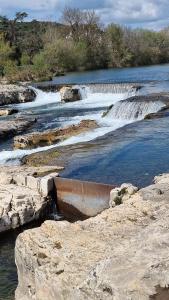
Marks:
<point>70,94</point>
<point>10,94</point>
<point>24,195</point>
<point>119,254</point>
<point>49,137</point>
<point>10,128</point>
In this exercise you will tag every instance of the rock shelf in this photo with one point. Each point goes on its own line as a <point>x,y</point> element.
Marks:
<point>120,254</point>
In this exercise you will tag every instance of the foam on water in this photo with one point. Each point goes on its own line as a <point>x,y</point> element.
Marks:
<point>134,110</point>
<point>42,98</point>
<point>89,98</point>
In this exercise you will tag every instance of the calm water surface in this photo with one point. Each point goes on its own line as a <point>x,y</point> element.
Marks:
<point>140,74</point>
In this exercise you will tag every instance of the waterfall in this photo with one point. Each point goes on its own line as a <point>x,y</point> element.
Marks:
<point>134,110</point>
<point>42,98</point>
<point>113,88</point>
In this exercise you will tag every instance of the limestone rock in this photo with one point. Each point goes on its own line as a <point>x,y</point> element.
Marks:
<point>70,94</point>
<point>7,112</point>
<point>121,194</point>
<point>10,94</point>
<point>24,195</point>
<point>120,254</point>
<point>53,136</point>
<point>10,128</point>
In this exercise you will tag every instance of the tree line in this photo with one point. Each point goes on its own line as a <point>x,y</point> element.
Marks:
<point>40,50</point>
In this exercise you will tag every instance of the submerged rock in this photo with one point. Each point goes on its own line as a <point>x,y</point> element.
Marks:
<point>49,137</point>
<point>24,194</point>
<point>120,254</point>
<point>10,94</point>
<point>161,114</point>
<point>43,158</point>
<point>10,128</point>
<point>70,94</point>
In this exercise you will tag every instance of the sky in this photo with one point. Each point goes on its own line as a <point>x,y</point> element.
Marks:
<point>151,14</point>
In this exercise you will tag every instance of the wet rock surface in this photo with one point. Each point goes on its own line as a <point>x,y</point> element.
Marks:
<point>53,136</point>
<point>24,195</point>
<point>120,254</point>
<point>13,127</point>
<point>7,112</point>
<point>164,97</point>
<point>70,94</point>
<point>10,94</point>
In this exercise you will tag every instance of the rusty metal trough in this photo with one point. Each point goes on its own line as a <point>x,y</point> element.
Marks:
<point>79,200</point>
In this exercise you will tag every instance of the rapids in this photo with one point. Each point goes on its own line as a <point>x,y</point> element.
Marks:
<point>96,99</point>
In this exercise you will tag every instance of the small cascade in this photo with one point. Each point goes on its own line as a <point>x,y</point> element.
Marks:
<point>53,213</point>
<point>83,91</point>
<point>113,88</point>
<point>134,110</point>
<point>42,98</point>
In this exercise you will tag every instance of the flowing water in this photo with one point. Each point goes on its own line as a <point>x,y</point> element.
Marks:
<point>51,113</point>
<point>124,147</point>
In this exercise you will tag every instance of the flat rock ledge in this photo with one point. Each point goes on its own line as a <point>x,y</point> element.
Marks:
<point>121,254</point>
<point>9,128</point>
<point>24,195</point>
<point>11,94</point>
<point>54,136</point>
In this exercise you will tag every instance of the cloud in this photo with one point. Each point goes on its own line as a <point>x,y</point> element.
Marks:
<point>144,13</point>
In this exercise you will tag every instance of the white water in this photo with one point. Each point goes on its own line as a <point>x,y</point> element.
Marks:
<point>123,112</point>
<point>127,110</point>
<point>42,98</point>
<point>89,99</point>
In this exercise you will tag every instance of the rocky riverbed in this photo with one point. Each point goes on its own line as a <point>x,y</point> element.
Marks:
<point>120,254</point>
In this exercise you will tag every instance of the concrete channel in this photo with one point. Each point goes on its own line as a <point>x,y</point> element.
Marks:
<point>79,200</point>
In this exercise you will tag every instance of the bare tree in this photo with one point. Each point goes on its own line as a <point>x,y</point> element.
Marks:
<point>81,24</point>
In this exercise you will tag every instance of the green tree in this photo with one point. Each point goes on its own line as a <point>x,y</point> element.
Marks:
<point>6,54</point>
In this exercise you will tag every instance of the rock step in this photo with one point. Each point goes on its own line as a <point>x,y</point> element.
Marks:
<point>24,195</point>
<point>10,94</point>
<point>49,137</point>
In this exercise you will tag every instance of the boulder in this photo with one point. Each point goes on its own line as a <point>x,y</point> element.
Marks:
<point>10,94</point>
<point>120,254</point>
<point>24,195</point>
<point>10,128</point>
<point>49,137</point>
<point>70,94</point>
<point>7,112</point>
<point>121,194</point>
